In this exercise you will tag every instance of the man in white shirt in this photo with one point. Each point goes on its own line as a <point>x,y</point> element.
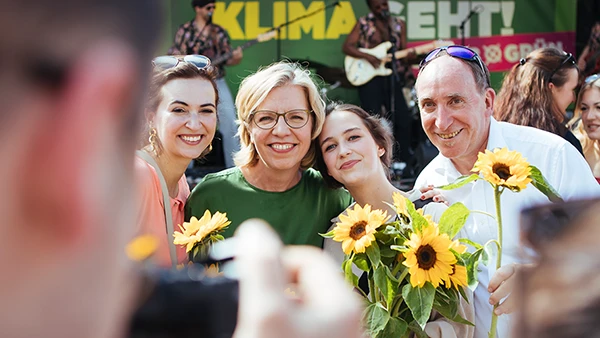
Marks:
<point>456,104</point>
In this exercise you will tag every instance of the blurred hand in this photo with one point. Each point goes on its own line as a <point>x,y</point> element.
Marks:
<point>502,285</point>
<point>236,56</point>
<point>374,61</point>
<point>324,304</point>
<point>435,194</point>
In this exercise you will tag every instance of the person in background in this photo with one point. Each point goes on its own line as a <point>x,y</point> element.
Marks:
<point>537,91</point>
<point>202,36</point>
<point>181,119</point>
<point>456,102</point>
<point>281,113</point>
<point>73,102</point>
<point>375,96</point>
<point>586,122</point>
<point>589,60</point>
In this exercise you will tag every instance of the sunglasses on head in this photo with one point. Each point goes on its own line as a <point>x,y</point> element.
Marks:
<point>456,51</point>
<point>569,58</point>
<point>169,61</point>
<point>592,78</point>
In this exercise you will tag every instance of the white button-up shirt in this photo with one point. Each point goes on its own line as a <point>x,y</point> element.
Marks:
<point>560,163</point>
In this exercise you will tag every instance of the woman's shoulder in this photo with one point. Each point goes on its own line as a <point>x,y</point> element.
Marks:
<point>227,177</point>
<point>145,174</point>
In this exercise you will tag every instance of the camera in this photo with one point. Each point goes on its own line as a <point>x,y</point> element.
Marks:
<point>187,302</point>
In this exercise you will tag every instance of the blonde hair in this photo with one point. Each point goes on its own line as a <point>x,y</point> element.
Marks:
<point>255,89</point>
<point>576,123</point>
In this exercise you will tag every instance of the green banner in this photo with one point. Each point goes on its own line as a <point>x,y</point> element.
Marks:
<point>502,31</point>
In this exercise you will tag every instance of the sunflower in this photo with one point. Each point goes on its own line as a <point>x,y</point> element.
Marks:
<point>196,230</point>
<point>504,168</point>
<point>400,205</point>
<point>428,218</point>
<point>356,230</point>
<point>141,247</point>
<point>428,257</point>
<point>457,278</point>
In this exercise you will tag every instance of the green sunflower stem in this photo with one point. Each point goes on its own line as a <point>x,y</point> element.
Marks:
<point>497,193</point>
<point>372,291</point>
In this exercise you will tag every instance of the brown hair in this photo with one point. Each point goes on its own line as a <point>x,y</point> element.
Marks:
<point>526,98</point>
<point>379,128</point>
<point>183,70</point>
<point>587,143</point>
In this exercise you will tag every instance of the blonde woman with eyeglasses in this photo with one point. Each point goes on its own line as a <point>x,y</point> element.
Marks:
<point>280,114</point>
<point>181,119</point>
<point>587,122</point>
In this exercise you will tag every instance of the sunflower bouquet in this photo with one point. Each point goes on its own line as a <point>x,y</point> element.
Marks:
<point>198,235</point>
<point>504,169</point>
<point>413,265</point>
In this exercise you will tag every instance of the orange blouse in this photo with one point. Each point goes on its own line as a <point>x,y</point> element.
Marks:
<point>151,215</point>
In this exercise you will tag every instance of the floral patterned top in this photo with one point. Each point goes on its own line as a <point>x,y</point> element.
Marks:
<point>211,41</point>
<point>367,30</point>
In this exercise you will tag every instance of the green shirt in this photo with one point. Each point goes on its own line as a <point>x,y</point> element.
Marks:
<point>298,214</point>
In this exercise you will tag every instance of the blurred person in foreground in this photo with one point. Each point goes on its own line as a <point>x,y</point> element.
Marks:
<point>560,296</point>
<point>456,103</point>
<point>70,109</point>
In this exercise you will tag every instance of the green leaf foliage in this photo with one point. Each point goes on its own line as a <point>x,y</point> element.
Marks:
<point>327,235</point>
<point>453,219</point>
<point>472,264</point>
<point>385,284</point>
<point>461,181</point>
<point>360,260</point>
<point>417,330</point>
<point>374,254</point>
<point>376,318</point>
<point>350,276</point>
<point>539,181</point>
<point>395,328</point>
<point>419,301</point>
<point>471,243</point>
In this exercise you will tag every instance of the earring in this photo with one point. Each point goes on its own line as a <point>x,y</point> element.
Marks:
<point>210,147</point>
<point>152,140</point>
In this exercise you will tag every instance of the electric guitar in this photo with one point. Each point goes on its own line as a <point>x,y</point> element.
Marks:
<point>260,38</point>
<point>360,71</point>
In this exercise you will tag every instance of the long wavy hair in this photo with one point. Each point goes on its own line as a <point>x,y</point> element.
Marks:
<point>526,98</point>
<point>576,123</point>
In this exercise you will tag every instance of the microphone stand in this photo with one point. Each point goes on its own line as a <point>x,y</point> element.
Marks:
<point>395,78</point>
<point>307,15</point>
<point>462,24</point>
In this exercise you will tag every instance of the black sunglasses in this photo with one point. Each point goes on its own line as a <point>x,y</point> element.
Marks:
<point>456,51</point>
<point>566,60</point>
<point>170,61</point>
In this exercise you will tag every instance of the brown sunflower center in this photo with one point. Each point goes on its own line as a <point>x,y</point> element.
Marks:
<point>426,257</point>
<point>502,170</point>
<point>358,230</point>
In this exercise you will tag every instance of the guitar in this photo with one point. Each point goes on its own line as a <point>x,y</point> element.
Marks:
<point>260,38</point>
<point>360,71</point>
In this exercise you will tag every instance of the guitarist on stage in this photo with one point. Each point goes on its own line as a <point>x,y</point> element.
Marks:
<point>370,31</point>
<point>201,36</point>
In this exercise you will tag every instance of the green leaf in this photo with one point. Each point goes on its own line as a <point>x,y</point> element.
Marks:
<point>385,284</point>
<point>419,301</point>
<point>391,230</point>
<point>453,219</point>
<point>417,330</point>
<point>471,243</point>
<point>395,328</point>
<point>374,254</point>
<point>327,235</point>
<point>350,276</point>
<point>471,266</point>
<point>539,181</point>
<point>360,260</point>
<point>460,182</point>
<point>376,319</point>
<point>388,252</point>
<point>450,311</point>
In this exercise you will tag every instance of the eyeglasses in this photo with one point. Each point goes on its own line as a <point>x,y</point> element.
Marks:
<point>456,51</point>
<point>592,78</point>
<point>267,119</point>
<point>565,61</point>
<point>170,61</point>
